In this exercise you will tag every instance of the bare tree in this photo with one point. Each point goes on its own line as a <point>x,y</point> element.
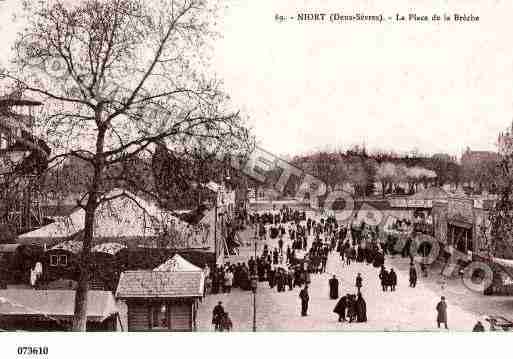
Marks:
<point>400,176</point>
<point>325,165</point>
<point>116,77</point>
<point>385,173</point>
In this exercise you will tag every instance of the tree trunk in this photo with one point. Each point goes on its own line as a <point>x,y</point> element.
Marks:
<point>80,313</point>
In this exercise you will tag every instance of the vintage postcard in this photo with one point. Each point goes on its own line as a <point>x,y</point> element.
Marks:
<point>255,166</point>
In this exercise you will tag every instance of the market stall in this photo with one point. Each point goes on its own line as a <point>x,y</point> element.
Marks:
<point>161,300</point>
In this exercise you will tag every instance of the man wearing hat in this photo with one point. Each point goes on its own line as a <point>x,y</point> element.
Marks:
<point>441,309</point>
<point>217,315</point>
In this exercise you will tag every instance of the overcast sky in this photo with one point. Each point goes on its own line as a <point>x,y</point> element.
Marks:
<point>434,87</point>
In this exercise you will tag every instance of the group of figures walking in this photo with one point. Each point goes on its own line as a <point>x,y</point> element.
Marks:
<point>350,307</point>
<point>388,279</point>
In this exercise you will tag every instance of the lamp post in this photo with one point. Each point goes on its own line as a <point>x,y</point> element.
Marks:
<point>254,281</point>
<point>216,249</point>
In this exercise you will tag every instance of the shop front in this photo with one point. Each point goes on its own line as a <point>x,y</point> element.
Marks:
<point>462,228</point>
<point>460,224</point>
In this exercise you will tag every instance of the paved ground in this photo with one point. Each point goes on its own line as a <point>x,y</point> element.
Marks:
<point>407,309</point>
<point>458,294</point>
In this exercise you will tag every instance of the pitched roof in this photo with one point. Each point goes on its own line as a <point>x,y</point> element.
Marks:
<point>177,263</point>
<point>127,216</point>
<point>159,284</point>
<point>57,304</point>
<point>62,228</point>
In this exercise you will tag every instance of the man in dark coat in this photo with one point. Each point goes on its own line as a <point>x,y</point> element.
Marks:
<point>305,298</point>
<point>361,309</point>
<point>383,276</point>
<point>478,327</point>
<point>280,280</point>
<point>272,277</point>
<point>413,276</point>
<point>217,315</point>
<point>275,256</point>
<point>340,308</point>
<point>348,252</point>
<point>290,279</point>
<point>324,261</point>
<point>393,279</point>
<point>441,309</point>
<point>333,282</point>
<point>359,282</point>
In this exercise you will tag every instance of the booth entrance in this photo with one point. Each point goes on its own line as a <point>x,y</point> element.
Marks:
<point>460,235</point>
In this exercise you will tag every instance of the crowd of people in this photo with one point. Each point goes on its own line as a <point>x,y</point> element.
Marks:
<point>303,248</point>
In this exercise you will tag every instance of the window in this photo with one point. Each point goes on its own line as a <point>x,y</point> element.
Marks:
<point>54,260</point>
<point>159,317</point>
<point>63,260</point>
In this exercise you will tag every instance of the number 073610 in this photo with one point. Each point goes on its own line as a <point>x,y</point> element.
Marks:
<point>32,350</point>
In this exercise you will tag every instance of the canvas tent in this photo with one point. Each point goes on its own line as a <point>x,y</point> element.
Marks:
<point>63,228</point>
<point>177,263</point>
<point>127,218</point>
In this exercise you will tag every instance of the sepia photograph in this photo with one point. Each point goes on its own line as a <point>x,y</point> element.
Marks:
<point>255,166</point>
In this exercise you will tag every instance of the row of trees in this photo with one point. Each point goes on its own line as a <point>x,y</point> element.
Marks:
<point>398,173</point>
<point>392,175</point>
